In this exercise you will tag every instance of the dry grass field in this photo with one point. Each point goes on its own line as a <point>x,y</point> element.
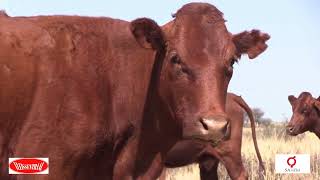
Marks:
<point>272,140</point>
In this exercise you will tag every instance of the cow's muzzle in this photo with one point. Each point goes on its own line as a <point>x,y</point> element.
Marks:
<point>213,129</point>
<point>291,130</point>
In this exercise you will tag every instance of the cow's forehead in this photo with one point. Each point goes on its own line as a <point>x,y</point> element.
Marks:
<point>200,9</point>
<point>305,99</point>
<point>197,36</point>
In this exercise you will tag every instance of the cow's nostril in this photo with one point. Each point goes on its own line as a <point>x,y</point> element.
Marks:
<point>205,126</point>
<point>226,129</point>
<point>291,129</point>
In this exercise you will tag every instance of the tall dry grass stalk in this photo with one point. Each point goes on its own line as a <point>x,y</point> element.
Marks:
<point>272,140</point>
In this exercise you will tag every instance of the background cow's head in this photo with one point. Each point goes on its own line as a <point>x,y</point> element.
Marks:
<point>306,111</point>
<point>199,54</point>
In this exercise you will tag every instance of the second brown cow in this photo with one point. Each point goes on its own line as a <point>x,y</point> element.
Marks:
<point>306,114</point>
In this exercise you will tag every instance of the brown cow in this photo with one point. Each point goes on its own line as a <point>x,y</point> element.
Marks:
<point>82,91</point>
<point>228,152</point>
<point>306,114</point>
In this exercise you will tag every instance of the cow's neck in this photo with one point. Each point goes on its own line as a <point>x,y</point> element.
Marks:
<point>315,128</point>
<point>155,135</point>
<point>156,121</point>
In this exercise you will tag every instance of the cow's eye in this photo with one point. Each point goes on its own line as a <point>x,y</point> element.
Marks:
<point>175,59</point>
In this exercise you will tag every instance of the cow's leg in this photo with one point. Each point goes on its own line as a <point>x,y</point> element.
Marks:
<point>234,166</point>
<point>62,160</point>
<point>163,174</point>
<point>61,165</point>
<point>35,142</point>
<point>229,153</point>
<point>125,166</point>
<point>64,150</point>
<point>125,162</point>
<point>154,170</point>
<point>208,168</point>
<point>97,167</point>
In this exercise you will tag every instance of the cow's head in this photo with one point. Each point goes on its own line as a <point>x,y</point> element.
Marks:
<point>306,112</point>
<point>199,54</point>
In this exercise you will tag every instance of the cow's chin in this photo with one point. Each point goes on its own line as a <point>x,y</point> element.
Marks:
<point>292,133</point>
<point>214,135</point>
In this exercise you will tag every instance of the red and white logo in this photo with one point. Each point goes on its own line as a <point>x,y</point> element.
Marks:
<point>292,163</point>
<point>28,165</point>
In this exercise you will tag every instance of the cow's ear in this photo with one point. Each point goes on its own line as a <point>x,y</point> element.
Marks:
<point>318,98</point>
<point>147,33</point>
<point>317,105</point>
<point>292,99</point>
<point>252,43</point>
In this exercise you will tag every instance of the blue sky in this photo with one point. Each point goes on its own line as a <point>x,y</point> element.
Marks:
<point>289,66</point>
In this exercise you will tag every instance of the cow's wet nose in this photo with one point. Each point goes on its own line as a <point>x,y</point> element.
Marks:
<point>216,128</point>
